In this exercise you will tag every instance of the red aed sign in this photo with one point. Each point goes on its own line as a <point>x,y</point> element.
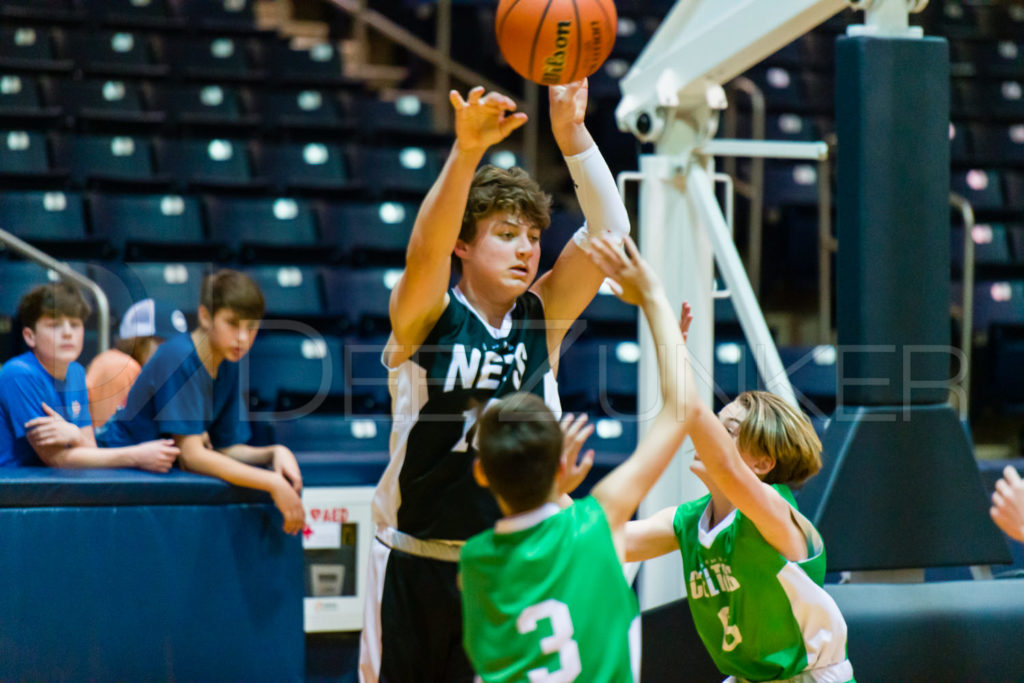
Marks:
<point>337,515</point>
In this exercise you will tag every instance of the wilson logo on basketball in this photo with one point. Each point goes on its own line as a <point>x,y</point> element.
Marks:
<point>553,42</point>
<point>554,64</point>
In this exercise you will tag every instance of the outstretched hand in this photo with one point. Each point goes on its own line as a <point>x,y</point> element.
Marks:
<point>1008,504</point>
<point>575,431</point>
<point>568,103</point>
<point>483,120</point>
<point>632,276</point>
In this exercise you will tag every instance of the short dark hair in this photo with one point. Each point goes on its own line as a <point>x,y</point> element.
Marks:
<point>235,291</point>
<point>55,300</point>
<point>520,446</point>
<point>497,189</point>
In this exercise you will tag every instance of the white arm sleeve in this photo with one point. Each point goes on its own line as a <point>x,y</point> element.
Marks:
<point>598,195</point>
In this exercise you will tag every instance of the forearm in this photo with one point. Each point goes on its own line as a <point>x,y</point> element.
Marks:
<point>221,466</point>
<point>674,372</point>
<point>88,457</point>
<point>597,194</point>
<point>251,455</point>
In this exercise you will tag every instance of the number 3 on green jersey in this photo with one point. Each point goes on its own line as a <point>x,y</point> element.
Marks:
<point>559,641</point>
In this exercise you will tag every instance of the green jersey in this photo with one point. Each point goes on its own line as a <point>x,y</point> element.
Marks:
<point>544,599</point>
<point>761,616</point>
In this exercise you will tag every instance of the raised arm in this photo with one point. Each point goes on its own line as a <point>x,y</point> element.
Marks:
<point>574,280</point>
<point>621,491</point>
<point>418,299</point>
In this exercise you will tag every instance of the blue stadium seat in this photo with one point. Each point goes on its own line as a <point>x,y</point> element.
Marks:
<point>40,10</point>
<point>408,170</point>
<point>43,217</point>
<point>23,154</point>
<point>790,56</point>
<point>29,48</point>
<point>789,127</point>
<point>122,287</point>
<point>307,109</point>
<point>1014,187</point>
<point>21,104</point>
<point>361,296</point>
<point>407,115</point>
<point>613,435</point>
<point>219,164</point>
<point>812,372</point>
<point>264,228</point>
<point>1006,365</point>
<point>290,291</point>
<point>991,245</point>
<point>294,369</point>
<point>213,58</point>
<point>141,13</point>
<point>151,226</point>
<point>1016,235</point>
<point>341,433</point>
<point>366,378</point>
<point>219,15</point>
<point>120,159</point>
<point>998,302</point>
<point>783,88</point>
<point>995,143</point>
<point>561,229</point>
<point>599,375</point>
<point>368,233</point>
<point>19,277</point>
<point>790,184</point>
<point>310,166</point>
<point>319,64</point>
<point>735,370</point>
<point>177,284</point>
<point>606,311</point>
<point>113,52</point>
<point>982,188</point>
<point>1003,58</point>
<point>962,141</point>
<point>114,101</point>
<point>212,106</point>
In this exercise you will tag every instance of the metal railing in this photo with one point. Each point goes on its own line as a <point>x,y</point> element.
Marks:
<point>26,250</point>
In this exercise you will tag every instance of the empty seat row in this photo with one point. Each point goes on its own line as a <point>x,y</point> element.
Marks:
<point>220,163</point>
<point>30,101</point>
<point>211,15</point>
<point>158,226</point>
<point>134,53</point>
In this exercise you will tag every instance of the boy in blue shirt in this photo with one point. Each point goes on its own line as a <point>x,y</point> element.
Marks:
<point>191,385</point>
<point>34,433</point>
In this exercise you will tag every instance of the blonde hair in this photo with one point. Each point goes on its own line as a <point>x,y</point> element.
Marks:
<point>774,428</point>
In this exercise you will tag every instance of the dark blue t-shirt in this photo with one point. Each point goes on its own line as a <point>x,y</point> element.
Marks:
<point>174,394</point>
<point>24,386</point>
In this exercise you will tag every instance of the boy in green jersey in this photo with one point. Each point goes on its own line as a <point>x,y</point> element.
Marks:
<point>753,565</point>
<point>544,597</point>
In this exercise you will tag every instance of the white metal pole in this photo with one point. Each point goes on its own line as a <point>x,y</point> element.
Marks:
<point>673,241</point>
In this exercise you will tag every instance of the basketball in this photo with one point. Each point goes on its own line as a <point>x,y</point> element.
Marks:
<point>553,42</point>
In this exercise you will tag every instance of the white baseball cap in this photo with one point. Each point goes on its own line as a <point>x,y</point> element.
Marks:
<point>151,318</point>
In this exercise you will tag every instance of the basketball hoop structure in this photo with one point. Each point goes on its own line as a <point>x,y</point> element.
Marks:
<point>672,97</point>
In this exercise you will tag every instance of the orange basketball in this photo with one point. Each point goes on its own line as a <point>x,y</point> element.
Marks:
<point>555,41</point>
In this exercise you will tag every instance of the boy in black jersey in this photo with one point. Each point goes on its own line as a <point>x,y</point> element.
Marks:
<point>453,351</point>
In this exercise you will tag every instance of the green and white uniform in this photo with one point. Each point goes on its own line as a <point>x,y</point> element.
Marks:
<point>761,616</point>
<point>544,600</point>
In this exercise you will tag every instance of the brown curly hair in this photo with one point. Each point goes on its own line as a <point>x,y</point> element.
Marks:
<point>496,189</point>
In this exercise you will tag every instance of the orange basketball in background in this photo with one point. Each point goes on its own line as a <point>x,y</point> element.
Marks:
<point>555,41</point>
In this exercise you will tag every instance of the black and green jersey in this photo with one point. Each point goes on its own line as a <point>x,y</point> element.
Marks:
<point>761,616</point>
<point>428,490</point>
<point>544,599</point>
